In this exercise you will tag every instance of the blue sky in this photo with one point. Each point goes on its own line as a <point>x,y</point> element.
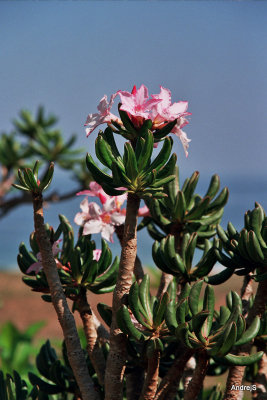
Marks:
<point>67,54</point>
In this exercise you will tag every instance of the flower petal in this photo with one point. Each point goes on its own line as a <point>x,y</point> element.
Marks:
<point>107,232</point>
<point>93,121</point>
<point>80,218</point>
<point>35,267</point>
<point>97,254</point>
<point>103,105</point>
<point>178,109</point>
<point>92,226</point>
<point>94,210</point>
<point>104,115</point>
<point>183,137</point>
<point>117,218</point>
<point>84,205</point>
<point>55,248</point>
<point>144,211</point>
<point>164,95</point>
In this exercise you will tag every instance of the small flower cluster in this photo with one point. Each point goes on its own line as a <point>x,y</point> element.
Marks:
<point>95,219</point>
<point>139,107</point>
<point>37,266</point>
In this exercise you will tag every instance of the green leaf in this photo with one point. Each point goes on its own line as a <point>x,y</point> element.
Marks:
<point>159,163</point>
<point>193,299</point>
<point>250,333</point>
<point>44,386</point>
<point>190,187</point>
<point>130,162</point>
<point>229,339</point>
<point>208,304</point>
<point>144,296</point>
<point>243,360</point>
<point>219,278</point>
<point>158,318</point>
<point>103,152</point>
<point>99,176</point>
<point>143,160</point>
<point>125,324</point>
<point>126,121</point>
<point>161,133</point>
<point>105,313</point>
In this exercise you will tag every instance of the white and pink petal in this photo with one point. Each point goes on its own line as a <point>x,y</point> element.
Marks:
<point>107,232</point>
<point>92,226</point>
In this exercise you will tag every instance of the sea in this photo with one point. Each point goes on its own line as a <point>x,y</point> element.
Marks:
<point>17,225</point>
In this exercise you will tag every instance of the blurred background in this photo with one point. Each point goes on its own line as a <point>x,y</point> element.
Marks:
<point>66,55</point>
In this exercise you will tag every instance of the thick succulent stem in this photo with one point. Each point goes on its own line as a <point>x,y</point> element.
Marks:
<point>65,317</point>
<point>151,381</point>
<point>93,345</point>
<point>171,380</point>
<point>117,355</point>
<point>234,378</point>
<point>199,374</point>
<point>236,373</point>
<point>138,269</point>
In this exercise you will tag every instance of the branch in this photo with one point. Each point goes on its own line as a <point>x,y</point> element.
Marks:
<point>93,345</point>
<point>65,317</point>
<point>171,380</point>
<point>138,269</point>
<point>151,381</point>
<point>6,181</point>
<point>25,198</point>
<point>196,382</point>
<point>117,355</point>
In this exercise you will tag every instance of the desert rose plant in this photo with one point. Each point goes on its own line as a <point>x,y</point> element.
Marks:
<point>159,345</point>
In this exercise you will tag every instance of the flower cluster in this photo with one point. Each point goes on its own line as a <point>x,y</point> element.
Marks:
<point>96,219</point>
<point>139,108</point>
<point>37,266</point>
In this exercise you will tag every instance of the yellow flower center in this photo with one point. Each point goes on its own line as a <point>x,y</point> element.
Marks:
<point>106,218</point>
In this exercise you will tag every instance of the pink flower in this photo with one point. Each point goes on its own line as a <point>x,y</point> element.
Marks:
<point>95,190</point>
<point>140,108</point>
<point>144,212</point>
<point>97,254</point>
<point>95,219</point>
<point>159,109</point>
<point>181,134</point>
<point>37,266</point>
<point>164,110</point>
<point>103,116</point>
<point>112,202</point>
<point>136,103</point>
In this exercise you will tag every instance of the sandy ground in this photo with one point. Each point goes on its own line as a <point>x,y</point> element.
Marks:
<point>23,307</point>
